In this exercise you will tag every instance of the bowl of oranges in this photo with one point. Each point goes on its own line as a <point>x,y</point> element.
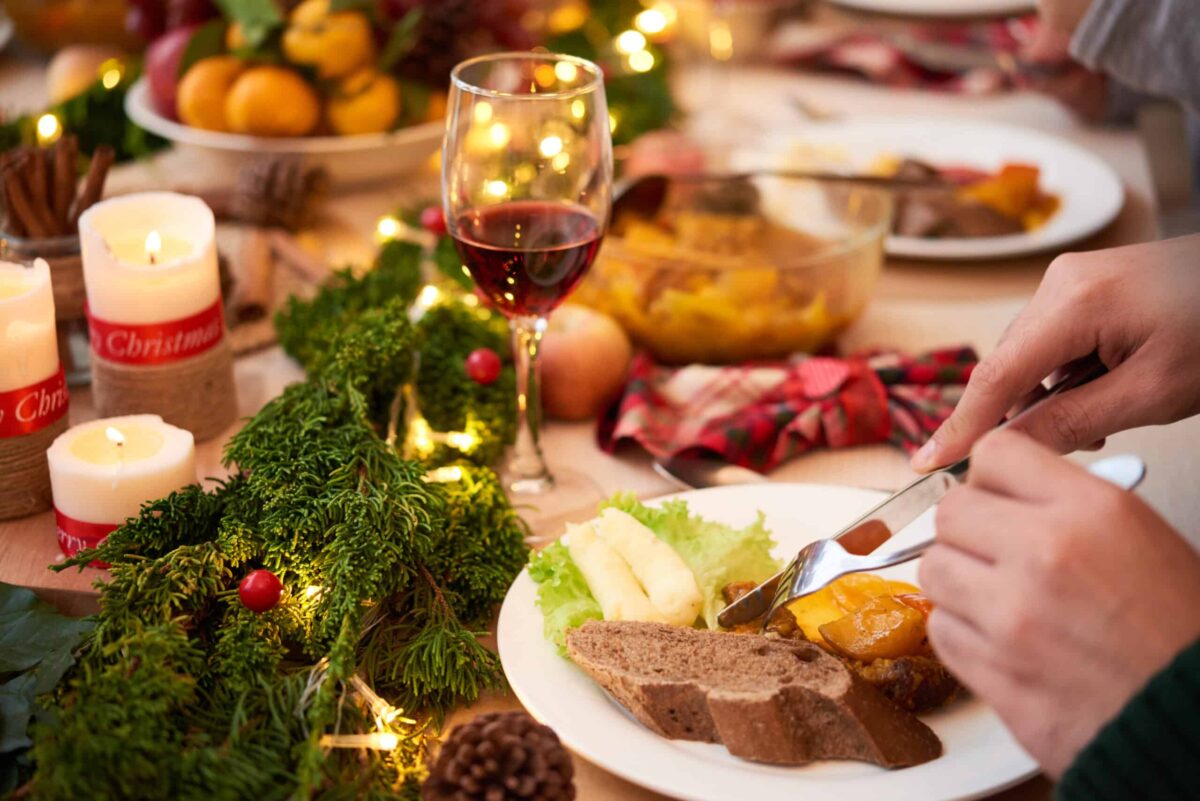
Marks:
<point>337,83</point>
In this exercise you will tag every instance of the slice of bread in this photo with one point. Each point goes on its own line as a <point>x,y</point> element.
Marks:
<point>767,700</point>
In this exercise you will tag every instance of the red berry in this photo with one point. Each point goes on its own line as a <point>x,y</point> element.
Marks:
<point>433,220</point>
<point>260,590</point>
<point>483,366</point>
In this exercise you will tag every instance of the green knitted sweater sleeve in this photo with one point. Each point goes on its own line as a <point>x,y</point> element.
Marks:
<point>1151,749</point>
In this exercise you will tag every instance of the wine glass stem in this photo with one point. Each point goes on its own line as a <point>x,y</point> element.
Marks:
<point>527,471</point>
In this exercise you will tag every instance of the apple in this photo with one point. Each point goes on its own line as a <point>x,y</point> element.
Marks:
<point>585,356</point>
<point>75,68</point>
<point>162,67</point>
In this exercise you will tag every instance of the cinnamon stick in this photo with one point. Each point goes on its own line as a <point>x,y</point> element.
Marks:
<point>253,277</point>
<point>93,184</point>
<point>20,208</point>
<point>36,178</point>
<point>65,153</point>
<point>293,255</point>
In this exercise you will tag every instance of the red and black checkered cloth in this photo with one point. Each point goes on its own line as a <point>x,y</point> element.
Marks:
<point>759,415</point>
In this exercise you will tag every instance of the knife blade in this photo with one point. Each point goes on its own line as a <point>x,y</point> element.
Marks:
<point>861,537</point>
<point>699,472</point>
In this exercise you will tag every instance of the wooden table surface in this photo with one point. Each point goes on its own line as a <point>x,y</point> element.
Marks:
<point>918,305</point>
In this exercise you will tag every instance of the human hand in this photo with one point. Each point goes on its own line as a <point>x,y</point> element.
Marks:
<point>1135,308</point>
<point>1063,15</point>
<point>1057,595</point>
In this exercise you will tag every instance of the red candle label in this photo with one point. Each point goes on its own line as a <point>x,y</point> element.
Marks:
<point>157,343</point>
<point>29,409</point>
<point>76,535</point>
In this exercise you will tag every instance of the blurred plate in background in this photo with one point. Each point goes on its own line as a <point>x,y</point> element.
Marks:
<point>1089,192</point>
<point>942,8</point>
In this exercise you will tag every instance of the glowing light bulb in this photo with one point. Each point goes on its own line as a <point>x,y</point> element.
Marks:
<point>110,73</point>
<point>388,227</point>
<point>483,112</point>
<point>462,440</point>
<point>153,246</point>
<point>560,162</point>
<point>49,129</point>
<point>641,61</point>
<point>578,109</point>
<point>444,475</point>
<point>499,134</point>
<point>652,21</point>
<point>550,146</point>
<point>612,122</point>
<point>566,71</point>
<point>313,590</point>
<point>496,188</point>
<point>630,42</point>
<point>720,41</point>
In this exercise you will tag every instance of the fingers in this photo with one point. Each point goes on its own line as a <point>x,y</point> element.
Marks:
<point>958,582</point>
<point>1086,415</point>
<point>1009,463</point>
<point>977,521</point>
<point>1027,355</point>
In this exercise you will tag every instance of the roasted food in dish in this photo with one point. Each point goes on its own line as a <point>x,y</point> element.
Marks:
<point>973,204</point>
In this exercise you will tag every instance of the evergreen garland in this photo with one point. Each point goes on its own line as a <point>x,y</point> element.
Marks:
<point>181,692</point>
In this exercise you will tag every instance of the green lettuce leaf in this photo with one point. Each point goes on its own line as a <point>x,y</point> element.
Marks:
<point>563,594</point>
<point>716,554</point>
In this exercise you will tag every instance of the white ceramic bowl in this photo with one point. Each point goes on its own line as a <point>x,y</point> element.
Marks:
<point>348,160</point>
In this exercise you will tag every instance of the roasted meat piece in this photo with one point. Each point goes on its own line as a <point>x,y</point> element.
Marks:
<point>917,683</point>
<point>783,622</point>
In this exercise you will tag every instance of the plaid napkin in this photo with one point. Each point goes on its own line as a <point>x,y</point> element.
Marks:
<point>758,415</point>
<point>877,56</point>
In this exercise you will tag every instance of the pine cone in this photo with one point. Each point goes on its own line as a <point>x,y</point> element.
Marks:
<point>501,756</point>
<point>277,192</point>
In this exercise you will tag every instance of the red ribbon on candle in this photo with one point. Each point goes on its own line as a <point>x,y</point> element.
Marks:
<point>157,343</point>
<point>76,535</point>
<point>29,409</point>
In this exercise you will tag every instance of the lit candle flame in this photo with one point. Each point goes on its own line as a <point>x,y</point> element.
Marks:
<point>48,129</point>
<point>114,436</point>
<point>153,246</point>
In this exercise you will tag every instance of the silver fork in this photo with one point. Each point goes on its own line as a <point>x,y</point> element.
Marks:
<point>822,561</point>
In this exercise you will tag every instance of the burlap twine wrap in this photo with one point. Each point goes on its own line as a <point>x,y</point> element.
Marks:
<point>196,394</point>
<point>25,484</point>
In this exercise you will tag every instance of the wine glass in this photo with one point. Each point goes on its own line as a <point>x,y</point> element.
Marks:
<point>527,190</point>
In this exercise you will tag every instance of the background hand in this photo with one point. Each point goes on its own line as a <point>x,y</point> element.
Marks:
<point>1058,595</point>
<point>1133,307</point>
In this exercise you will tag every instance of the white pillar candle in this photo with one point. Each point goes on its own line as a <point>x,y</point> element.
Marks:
<point>33,390</point>
<point>28,343</point>
<point>103,471</point>
<point>149,258</point>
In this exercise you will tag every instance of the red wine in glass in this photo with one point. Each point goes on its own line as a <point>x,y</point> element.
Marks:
<point>527,255</point>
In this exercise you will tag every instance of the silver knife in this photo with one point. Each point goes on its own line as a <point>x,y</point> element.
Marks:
<point>692,472</point>
<point>879,524</point>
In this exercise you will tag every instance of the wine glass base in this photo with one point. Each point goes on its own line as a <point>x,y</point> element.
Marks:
<point>547,504</point>
<point>531,485</point>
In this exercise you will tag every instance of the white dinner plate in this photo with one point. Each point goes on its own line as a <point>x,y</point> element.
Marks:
<point>1089,191</point>
<point>980,758</point>
<point>348,160</point>
<point>942,8</point>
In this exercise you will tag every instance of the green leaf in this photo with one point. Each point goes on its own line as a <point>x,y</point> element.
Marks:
<point>563,594</point>
<point>208,40</point>
<point>401,40</point>
<point>16,708</point>
<point>258,18</point>
<point>31,631</point>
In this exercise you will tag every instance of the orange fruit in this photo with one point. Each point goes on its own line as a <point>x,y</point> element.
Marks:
<point>272,101</point>
<point>336,44</point>
<point>200,101</point>
<point>366,102</point>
